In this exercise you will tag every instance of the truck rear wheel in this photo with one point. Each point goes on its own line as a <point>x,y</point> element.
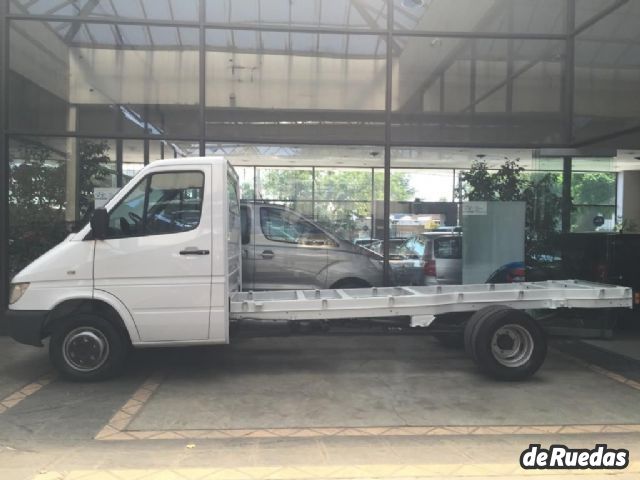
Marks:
<point>507,344</point>
<point>475,319</point>
<point>87,347</point>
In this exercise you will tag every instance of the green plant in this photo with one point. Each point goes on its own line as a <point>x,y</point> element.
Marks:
<point>38,195</point>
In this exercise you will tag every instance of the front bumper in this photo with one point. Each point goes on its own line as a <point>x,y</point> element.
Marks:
<point>25,326</point>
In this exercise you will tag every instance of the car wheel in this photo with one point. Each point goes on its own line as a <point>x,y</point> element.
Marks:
<point>88,347</point>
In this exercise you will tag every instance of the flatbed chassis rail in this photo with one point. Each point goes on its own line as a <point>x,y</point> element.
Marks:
<point>502,339</point>
<point>423,303</point>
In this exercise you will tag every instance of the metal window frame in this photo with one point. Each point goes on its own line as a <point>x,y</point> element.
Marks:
<point>390,32</point>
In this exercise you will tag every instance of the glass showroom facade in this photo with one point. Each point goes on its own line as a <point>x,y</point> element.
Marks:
<point>361,115</point>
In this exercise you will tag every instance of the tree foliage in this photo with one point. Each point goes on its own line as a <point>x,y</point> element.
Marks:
<point>594,188</point>
<point>342,197</point>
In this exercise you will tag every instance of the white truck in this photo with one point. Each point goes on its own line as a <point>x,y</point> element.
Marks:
<point>160,265</point>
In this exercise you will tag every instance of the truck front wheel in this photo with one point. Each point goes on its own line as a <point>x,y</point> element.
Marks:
<point>87,347</point>
<point>507,344</point>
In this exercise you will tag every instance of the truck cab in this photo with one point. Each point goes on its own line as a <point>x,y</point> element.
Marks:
<point>160,272</point>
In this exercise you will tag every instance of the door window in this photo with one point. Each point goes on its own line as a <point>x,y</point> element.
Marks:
<point>281,225</point>
<point>162,203</point>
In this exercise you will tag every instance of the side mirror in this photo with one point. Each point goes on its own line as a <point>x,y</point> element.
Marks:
<point>100,224</point>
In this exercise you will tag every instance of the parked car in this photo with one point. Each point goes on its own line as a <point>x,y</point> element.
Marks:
<point>283,250</point>
<point>449,229</point>
<point>394,244</point>
<point>429,259</point>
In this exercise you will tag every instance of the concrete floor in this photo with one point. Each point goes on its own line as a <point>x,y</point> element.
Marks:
<point>626,344</point>
<point>346,381</point>
<point>365,381</point>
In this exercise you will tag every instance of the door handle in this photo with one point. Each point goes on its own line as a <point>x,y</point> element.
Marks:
<point>193,251</point>
<point>268,254</point>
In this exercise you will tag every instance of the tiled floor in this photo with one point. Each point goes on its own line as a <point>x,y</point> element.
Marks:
<point>336,406</point>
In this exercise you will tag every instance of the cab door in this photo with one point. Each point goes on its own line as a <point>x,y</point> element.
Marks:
<point>156,258</point>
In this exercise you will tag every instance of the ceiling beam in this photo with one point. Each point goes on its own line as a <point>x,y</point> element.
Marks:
<point>490,15</point>
<point>83,13</point>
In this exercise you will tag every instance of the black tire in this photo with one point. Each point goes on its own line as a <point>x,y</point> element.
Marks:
<point>472,323</point>
<point>350,283</point>
<point>454,340</point>
<point>88,347</point>
<point>523,348</point>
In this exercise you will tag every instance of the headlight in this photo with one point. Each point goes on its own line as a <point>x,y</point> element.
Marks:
<point>17,290</point>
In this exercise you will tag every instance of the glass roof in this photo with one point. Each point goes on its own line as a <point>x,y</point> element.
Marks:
<point>607,43</point>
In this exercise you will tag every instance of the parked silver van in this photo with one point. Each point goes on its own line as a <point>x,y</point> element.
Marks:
<point>433,258</point>
<point>283,250</point>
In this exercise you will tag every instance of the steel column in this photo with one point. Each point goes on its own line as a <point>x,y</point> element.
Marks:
<point>568,74</point>
<point>202,73</point>
<point>566,195</point>
<point>4,154</point>
<point>386,267</point>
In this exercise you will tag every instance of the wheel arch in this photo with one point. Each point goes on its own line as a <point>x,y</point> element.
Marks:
<point>356,281</point>
<point>101,303</point>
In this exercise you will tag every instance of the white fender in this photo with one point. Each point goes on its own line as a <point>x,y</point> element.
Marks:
<point>119,307</point>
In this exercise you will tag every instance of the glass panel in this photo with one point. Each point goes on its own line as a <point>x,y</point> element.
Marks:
<point>53,187</point>
<point>283,184</point>
<point>593,219</point>
<point>343,184</point>
<point>38,79</point>
<point>513,16</point>
<point>273,85</point>
<point>102,78</point>
<point>352,14</point>
<point>37,198</point>
<point>132,159</point>
<point>481,91</point>
<point>595,188</point>
<point>166,149</point>
<point>588,9</point>
<point>607,91</point>
<point>284,226</point>
<point>181,10</point>
<point>346,220</point>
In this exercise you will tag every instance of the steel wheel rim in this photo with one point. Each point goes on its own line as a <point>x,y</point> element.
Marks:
<point>512,345</point>
<point>85,349</point>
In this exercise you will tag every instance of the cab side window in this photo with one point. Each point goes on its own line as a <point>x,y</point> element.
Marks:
<point>162,203</point>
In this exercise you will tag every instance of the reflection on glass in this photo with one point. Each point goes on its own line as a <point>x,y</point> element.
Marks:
<point>102,78</point>
<point>463,90</point>
<point>593,219</point>
<point>521,16</point>
<point>606,72</point>
<point>179,10</point>
<point>352,14</point>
